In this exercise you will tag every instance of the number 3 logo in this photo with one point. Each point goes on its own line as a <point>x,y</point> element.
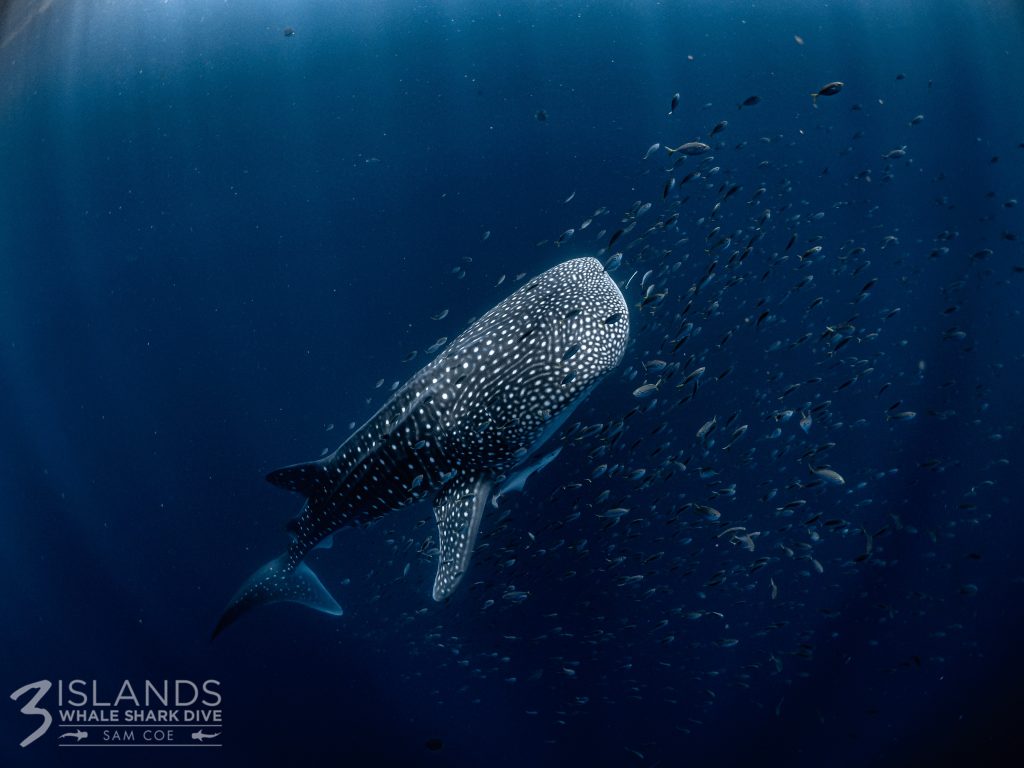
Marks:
<point>31,708</point>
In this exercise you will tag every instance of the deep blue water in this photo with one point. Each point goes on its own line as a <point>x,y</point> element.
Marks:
<point>215,239</point>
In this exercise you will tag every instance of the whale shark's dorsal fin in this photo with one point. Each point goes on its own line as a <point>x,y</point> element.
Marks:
<point>315,478</point>
<point>458,508</point>
<point>306,479</point>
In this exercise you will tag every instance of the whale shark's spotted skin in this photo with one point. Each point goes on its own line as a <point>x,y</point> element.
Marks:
<point>457,428</point>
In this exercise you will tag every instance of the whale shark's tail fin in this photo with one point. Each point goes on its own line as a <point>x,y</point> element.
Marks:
<point>275,582</point>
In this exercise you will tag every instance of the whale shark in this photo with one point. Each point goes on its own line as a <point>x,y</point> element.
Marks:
<point>470,424</point>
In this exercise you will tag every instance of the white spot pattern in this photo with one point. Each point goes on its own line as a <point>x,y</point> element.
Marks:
<point>469,416</point>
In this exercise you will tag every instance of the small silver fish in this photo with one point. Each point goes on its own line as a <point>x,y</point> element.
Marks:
<point>831,89</point>
<point>646,390</point>
<point>565,236</point>
<point>829,475</point>
<point>436,346</point>
<point>690,148</point>
<point>902,416</point>
<point>708,513</point>
<point>707,428</point>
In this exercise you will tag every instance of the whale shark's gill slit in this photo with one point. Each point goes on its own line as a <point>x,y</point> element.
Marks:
<point>571,351</point>
<point>569,378</point>
<point>527,335</point>
<point>611,319</point>
<point>489,409</point>
<point>572,313</point>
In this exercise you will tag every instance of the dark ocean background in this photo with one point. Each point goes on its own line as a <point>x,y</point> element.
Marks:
<point>216,238</point>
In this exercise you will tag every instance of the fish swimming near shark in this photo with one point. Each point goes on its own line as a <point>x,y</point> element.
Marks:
<point>468,425</point>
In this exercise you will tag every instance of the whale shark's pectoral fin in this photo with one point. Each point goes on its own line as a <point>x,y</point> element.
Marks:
<point>275,582</point>
<point>517,481</point>
<point>458,508</point>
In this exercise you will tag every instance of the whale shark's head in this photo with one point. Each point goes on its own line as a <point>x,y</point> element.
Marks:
<point>587,316</point>
<point>517,371</point>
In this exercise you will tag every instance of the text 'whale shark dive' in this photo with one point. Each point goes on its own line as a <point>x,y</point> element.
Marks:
<point>468,424</point>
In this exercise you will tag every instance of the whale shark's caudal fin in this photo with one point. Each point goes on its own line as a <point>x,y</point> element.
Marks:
<point>458,508</point>
<point>276,582</point>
